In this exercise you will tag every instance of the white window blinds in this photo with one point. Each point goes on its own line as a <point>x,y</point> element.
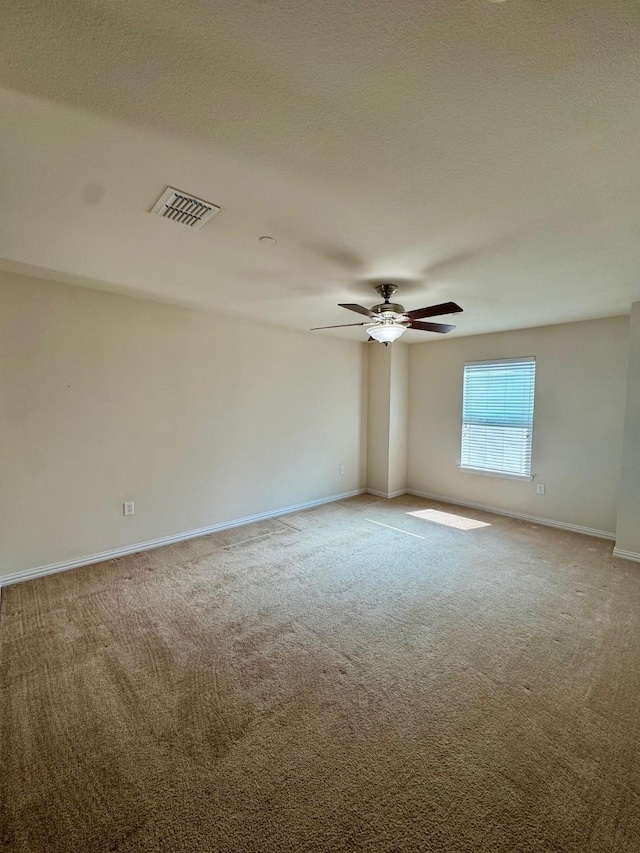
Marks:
<point>497,415</point>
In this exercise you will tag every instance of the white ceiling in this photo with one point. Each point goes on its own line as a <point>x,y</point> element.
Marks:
<point>480,152</point>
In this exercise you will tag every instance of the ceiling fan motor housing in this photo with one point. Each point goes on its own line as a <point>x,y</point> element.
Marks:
<point>391,308</point>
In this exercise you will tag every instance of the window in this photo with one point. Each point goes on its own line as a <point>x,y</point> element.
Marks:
<point>497,416</point>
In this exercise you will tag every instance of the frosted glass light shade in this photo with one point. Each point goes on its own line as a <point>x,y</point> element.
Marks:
<point>386,332</point>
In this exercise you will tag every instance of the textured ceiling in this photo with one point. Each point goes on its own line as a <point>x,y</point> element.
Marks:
<point>472,151</point>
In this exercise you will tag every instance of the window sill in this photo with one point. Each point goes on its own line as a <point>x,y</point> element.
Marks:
<point>523,478</point>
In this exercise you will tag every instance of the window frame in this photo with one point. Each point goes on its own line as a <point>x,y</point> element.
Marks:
<point>493,472</point>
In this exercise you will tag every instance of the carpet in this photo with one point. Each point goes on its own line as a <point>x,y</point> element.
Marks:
<point>362,676</point>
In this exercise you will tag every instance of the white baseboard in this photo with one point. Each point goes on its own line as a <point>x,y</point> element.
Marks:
<point>53,568</point>
<point>626,555</point>
<point>379,494</point>
<point>547,522</point>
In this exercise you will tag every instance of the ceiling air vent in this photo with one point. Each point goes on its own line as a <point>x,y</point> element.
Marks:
<point>184,208</point>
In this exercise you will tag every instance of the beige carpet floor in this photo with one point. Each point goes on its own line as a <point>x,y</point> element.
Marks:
<point>324,682</point>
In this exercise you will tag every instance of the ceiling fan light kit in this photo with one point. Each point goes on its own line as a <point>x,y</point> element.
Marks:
<point>389,320</point>
<point>386,333</point>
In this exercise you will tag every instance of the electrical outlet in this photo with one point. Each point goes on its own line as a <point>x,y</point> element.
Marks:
<point>540,489</point>
<point>343,470</point>
<point>128,508</point>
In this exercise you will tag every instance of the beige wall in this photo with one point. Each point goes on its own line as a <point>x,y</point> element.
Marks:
<point>628,528</point>
<point>378,417</point>
<point>106,398</point>
<point>398,417</point>
<point>581,376</point>
<point>387,418</point>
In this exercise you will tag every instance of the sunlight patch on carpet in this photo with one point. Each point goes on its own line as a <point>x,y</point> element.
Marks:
<point>460,522</point>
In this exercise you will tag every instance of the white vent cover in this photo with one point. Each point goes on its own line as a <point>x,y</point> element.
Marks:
<point>184,208</point>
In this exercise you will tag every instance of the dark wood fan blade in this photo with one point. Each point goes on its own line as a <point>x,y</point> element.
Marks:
<point>359,309</point>
<point>339,326</point>
<point>434,310</point>
<point>431,327</point>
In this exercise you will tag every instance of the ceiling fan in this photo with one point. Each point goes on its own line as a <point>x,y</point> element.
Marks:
<point>388,320</point>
